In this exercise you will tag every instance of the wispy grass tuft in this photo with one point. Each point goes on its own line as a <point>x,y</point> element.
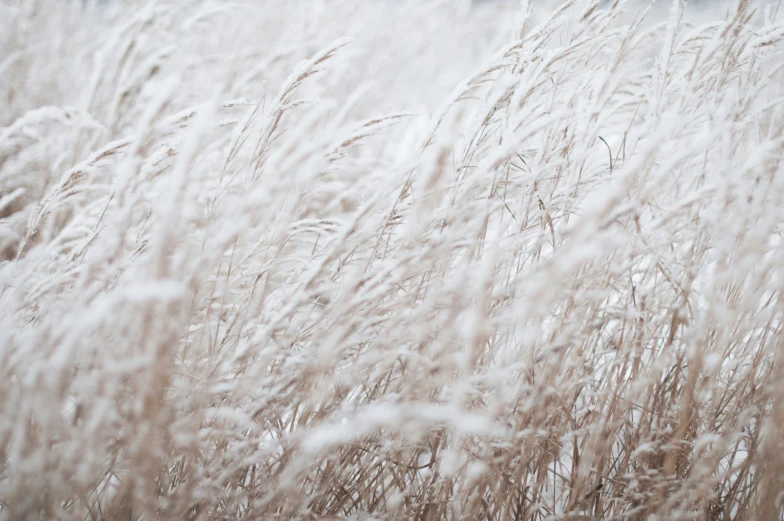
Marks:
<point>391,260</point>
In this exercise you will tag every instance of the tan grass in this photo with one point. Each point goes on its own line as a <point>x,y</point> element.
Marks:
<point>296,261</point>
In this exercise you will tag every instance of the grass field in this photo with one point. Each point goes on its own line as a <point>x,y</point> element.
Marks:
<point>392,260</point>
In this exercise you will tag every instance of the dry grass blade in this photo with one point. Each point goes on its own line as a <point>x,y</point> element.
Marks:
<point>249,271</point>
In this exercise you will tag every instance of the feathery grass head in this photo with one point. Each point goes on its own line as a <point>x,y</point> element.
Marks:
<point>378,260</point>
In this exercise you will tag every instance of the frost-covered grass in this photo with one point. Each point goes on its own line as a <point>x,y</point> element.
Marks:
<point>397,259</point>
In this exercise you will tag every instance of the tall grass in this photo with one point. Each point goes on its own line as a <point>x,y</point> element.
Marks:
<point>391,260</point>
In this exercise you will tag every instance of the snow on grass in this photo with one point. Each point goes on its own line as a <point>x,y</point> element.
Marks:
<point>391,260</point>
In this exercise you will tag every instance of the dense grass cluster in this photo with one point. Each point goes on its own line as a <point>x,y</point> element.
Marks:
<point>404,260</point>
